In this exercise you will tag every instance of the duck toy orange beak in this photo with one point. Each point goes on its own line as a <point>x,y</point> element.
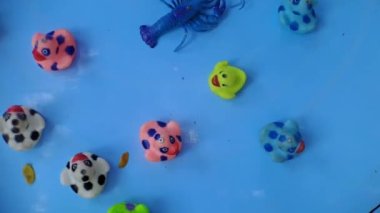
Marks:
<point>38,56</point>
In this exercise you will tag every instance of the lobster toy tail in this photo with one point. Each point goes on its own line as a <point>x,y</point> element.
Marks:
<point>148,36</point>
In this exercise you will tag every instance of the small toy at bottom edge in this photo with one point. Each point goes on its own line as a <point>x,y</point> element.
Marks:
<point>298,15</point>
<point>128,208</point>
<point>225,80</point>
<point>55,50</point>
<point>282,140</point>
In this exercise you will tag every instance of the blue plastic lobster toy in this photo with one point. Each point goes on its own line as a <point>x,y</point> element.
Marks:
<point>197,15</point>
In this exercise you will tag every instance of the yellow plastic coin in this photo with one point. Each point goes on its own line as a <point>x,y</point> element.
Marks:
<point>29,174</point>
<point>124,160</point>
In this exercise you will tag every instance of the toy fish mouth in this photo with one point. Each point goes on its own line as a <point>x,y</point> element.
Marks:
<point>301,147</point>
<point>215,81</point>
<point>38,56</point>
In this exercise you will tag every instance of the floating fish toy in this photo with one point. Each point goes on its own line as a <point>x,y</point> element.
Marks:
<point>21,127</point>
<point>161,141</point>
<point>282,140</point>
<point>298,15</point>
<point>197,15</point>
<point>86,174</point>
<point>128,208</point>
<point>225,80</point>
<point>54,51</point>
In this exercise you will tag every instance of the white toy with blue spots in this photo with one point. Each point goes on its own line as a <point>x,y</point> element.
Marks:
<point>298,15</point>
<point>282,140</point>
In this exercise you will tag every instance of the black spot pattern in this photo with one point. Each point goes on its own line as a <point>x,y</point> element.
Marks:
<point>85,178</point>
<point>68,165</point>
<point>19,138</point>
<point>74,188</point>
<point>32,111</point>
<point>87,186</point>
<point>15,130</point>
<point>35,135</point>
<point>6,138</point>
<point>15,122</point>
<point>101,180</point>
<point>94,157</point>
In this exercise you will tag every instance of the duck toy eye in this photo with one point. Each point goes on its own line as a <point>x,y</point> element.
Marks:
<point>74,167</point>
<point>45,52</point>
<point>171,139</point>
<point>88,163</point>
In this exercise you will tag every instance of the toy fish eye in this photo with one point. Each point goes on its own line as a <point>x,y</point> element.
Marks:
<point>88,163</point>
<point>45,52</point>
<point>224,75</point>
<point>171,139</point>
<point>224,85</point>
<point>21,116</point>
<point>295,2</point>
<point>74,167</point>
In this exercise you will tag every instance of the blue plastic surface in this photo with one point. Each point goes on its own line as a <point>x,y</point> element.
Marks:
<point>328,81</point>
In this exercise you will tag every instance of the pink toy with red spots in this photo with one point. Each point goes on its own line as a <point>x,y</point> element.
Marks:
<point>54,51</point>
<point>161,141</point>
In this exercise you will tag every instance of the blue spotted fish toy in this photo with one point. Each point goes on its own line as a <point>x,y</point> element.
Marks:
<point>282,140</point>
<point>298,15</point>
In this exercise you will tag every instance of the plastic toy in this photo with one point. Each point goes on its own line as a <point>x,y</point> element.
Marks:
<point>161,141</point>
<point>298,15</point>
<point>29,174</point>
<point>197,15</point>
<point>282,140</point>
<point>21,127</point>
<point>128,208</point>
<point>124,160</point>
<point>225,80</point>
<point>86,174</point>
<point>54,51</point>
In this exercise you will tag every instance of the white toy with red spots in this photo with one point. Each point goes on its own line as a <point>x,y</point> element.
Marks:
<point>21,127</point>
<point>86,174</point>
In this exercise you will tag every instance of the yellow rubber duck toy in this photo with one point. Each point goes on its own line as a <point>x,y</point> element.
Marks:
<point>225,80</point>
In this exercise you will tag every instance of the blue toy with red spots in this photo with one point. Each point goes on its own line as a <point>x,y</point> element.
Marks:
<point>298,15</point>
<point>282,140</point>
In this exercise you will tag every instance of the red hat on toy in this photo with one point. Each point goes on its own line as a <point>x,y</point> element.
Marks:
<point>15,108</point>
<point>79,157</point>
